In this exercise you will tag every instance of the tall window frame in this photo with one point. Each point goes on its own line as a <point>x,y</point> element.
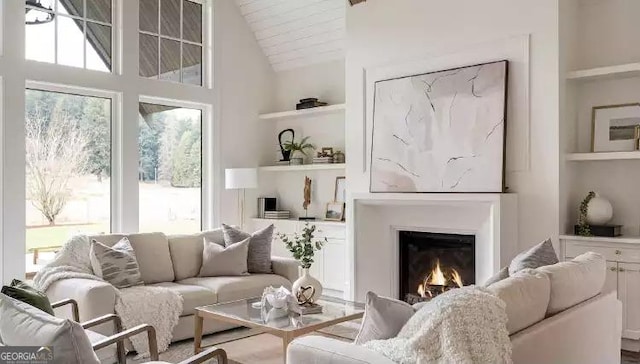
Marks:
<point>85,21</point>
<point>204,55</point>
<point>126,88</point>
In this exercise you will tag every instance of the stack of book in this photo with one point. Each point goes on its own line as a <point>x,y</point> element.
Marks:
<point>322,160</point>
<point>307,309</point>
<point>279,215</point>
<point>309,103</point>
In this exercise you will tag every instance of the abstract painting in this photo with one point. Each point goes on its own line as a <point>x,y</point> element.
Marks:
<point>441,131</point>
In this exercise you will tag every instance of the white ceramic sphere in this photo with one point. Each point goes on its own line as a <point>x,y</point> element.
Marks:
<point>599,211</point>
<point>307,280</point>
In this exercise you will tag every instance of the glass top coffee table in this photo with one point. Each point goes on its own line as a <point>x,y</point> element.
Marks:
<point>288,327</point>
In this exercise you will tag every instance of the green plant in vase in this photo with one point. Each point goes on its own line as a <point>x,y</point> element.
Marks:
<point>583,225</point>
<point>303,249</point>
<point>297,149</point>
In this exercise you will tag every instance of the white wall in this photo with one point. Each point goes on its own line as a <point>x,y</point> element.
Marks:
<point>326,82</point>
<point>382,33</point>
<point>244,80</point>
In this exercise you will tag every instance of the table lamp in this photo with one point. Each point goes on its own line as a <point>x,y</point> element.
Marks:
<point>241,179</point>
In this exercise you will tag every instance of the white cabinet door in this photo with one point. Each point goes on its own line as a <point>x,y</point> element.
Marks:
<point>611,282</point>
<point>334,264</point>
<point>629,294</point>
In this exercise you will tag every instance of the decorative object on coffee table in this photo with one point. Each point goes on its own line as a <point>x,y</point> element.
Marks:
<point>297,149</point>
<point>335,211</point>
<point>614,127</point>
<point>444,136</point>
<point>286,154</point>
<point>303,249</point>
<point>307,199</point>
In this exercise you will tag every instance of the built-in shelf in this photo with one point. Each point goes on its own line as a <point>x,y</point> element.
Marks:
<point>596,239</point>
<point>609,72</point>
<point>602,156</point>
<point>303,167</point>
<point>304,113</point>
<point>339,223</point>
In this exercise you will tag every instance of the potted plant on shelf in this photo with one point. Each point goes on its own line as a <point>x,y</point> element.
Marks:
<point>303,248</point>
<point>297,149</point>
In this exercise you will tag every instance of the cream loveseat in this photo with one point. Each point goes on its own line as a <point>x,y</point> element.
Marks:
<point>565,321</point>
<point>173,262</point>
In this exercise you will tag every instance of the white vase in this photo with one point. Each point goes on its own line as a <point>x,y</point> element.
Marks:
<point>306,280</point>
<point>599,211</point>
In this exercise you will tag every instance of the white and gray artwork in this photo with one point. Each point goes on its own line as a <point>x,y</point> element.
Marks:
<point>440,132</point>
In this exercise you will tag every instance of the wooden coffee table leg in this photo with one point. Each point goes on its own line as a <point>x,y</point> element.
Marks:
<point>197,336</point>
<point>287,338</point>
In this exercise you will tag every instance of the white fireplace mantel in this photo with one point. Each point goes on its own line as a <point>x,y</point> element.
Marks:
<point>375,219</point>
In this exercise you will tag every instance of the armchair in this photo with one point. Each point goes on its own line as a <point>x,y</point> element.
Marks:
<point>120,336</point>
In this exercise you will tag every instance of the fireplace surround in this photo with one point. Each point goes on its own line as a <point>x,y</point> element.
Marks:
<point>430,263</point>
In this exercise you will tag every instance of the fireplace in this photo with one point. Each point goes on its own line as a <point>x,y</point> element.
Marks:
<point>432,263</point>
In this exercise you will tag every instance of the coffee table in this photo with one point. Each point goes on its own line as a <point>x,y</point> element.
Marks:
<point>289,327</point>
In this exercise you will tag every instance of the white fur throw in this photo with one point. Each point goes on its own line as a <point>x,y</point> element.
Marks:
<point>156,306</point>
<point>465,325</point>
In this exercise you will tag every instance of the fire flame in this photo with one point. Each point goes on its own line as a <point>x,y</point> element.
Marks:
<point>437,278</point>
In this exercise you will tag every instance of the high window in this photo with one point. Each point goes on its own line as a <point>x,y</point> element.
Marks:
<point>171,40</point>
<point>170,168</point>
<point>68,167</point>
<point>74,33</point>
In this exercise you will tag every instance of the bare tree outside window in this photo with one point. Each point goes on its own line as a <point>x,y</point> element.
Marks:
<point>55,153</point>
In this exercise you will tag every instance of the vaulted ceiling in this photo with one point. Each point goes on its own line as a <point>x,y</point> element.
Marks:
<point>297,33</point>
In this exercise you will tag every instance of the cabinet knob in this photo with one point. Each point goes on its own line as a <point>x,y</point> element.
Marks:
<point>621,269</point>
<point>618,252</point>
<point>613,269</point>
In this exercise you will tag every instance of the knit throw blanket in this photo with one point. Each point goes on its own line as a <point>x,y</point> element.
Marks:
<point>156,306</point>
<point>466,325</point>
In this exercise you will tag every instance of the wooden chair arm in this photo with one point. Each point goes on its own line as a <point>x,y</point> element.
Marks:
<point>220,354</point>
<point>119,337</point>
<point>74,307</point>
<point>117,323</point>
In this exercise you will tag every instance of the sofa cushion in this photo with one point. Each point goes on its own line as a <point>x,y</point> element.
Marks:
<point>193,296</point>
<point>186,252</point>
<point>383,318</point>
<point>500,275</point>
<point>538,256</point>
<point>220,261</point>
<point>526,295</point>
<point>238,287</point>
<point>23,324</point>
<point>259,258</point>
<point>27,294</point>
<point>116,264</point>
<point>107,239</point>
<point>575,281</point>
<point>154,259</point>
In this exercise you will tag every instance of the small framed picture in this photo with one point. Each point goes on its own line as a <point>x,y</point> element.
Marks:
<point>614,127</point>
<point>335,211</point>
<point>327,151</point>
<point>340,193</point>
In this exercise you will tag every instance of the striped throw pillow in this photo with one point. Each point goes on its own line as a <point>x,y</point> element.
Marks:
<point>117,264</point>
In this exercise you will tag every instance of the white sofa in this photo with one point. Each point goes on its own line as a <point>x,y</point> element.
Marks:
<point>173,262</point>
<point>586,330</point>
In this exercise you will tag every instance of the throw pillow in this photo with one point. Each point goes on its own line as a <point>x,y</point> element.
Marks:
<point>220,261</point>
<point>23,324</point>
<point>538,256</point>
<point>27,294</point>
<point>259,257</point>
<point>500,275</point>
<point>117,264</point>
<point>383,318</point>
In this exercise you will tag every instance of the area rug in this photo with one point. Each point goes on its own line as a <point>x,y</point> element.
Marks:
<point>246,346</point>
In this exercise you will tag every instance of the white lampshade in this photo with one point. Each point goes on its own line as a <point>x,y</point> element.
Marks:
<point>238,178</point>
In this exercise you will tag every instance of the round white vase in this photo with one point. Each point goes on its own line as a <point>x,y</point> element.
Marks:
<point>599,211</point>
<point>306,280</point>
